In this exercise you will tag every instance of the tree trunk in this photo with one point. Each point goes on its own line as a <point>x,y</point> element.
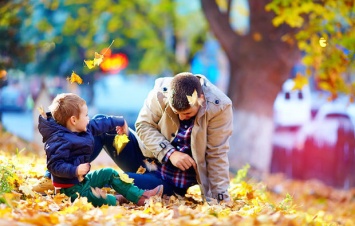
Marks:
<point>259,64</point>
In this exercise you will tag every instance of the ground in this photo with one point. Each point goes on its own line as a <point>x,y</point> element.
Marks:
<point>273,201</point>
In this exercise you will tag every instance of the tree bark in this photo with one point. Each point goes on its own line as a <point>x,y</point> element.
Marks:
<point>259,64</point>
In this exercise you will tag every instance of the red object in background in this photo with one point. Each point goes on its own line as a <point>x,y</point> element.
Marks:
<point>325,151</point>
<point>114,63</point>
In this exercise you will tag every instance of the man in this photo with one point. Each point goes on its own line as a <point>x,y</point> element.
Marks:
<point>185,124</point>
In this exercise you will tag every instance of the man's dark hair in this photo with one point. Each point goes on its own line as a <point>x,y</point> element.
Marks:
<point>183,84</point>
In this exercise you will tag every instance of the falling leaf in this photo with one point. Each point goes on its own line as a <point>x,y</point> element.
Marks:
<point>96,62</point>
<point>120,142</point>
<point>89,63</point>
<point>41,111</point>
<point>124,177</point>
<point>98,58</point>
<point>75,78</point>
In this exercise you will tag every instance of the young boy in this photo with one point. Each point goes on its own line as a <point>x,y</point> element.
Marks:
<point>68,136</point>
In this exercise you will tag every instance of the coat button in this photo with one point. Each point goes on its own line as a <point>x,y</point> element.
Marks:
<point>165,89</point>
<point>216,101</point>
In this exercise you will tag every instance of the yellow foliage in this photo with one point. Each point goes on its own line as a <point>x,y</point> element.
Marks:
<point>299,82</point>
<point>252,203</point>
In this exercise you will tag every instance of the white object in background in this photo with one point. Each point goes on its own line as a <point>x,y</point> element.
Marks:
<point>292,107</point>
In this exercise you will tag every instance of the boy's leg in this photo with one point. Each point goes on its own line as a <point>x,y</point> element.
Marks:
<point>108,176</point>
<point>85,189</point>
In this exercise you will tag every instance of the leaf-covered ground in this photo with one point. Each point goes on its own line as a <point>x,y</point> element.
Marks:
<point>275,201</point>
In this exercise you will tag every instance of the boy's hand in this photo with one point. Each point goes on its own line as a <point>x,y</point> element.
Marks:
<point>83,169</point>
<point>122,129</point>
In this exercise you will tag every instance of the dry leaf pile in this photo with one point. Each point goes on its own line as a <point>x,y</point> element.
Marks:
<point>276,201</point>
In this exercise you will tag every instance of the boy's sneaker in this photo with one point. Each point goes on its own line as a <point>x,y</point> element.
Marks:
<point>43,185</point>
<point>158,191</point>
<point>121,199</point>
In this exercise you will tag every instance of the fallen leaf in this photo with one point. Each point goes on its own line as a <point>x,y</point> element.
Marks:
<point>124,177</point>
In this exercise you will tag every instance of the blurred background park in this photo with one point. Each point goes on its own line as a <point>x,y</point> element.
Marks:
<point>288,67</point>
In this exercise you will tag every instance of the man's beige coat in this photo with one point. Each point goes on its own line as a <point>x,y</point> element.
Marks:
<point>157,125</point>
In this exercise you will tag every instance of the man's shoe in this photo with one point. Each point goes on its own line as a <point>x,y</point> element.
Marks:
<point>43,185</point>
<point>158,191</point>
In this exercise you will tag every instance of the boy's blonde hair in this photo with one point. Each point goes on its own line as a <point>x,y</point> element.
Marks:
<point>64,106</point>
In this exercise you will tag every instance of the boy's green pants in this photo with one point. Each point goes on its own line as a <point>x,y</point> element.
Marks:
<point>99,179</point>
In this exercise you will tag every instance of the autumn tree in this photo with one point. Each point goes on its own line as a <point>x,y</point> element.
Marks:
<point>261,60</point>
<point>12,51</point>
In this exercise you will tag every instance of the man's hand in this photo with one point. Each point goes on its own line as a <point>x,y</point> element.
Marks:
<point>122,129</point>
<point>182,161</point>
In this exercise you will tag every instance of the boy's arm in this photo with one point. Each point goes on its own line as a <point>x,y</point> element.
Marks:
<point>57,155</point>
<point>105,124</point>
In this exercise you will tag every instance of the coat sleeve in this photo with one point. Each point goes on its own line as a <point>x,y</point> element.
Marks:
<point>57,159</point>
<point>105,124</point>
<point>219,130</point>
<point>156,144</point>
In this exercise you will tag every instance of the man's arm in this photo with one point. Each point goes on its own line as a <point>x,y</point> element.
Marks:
<point>147,127</point>
<point>219,130</point>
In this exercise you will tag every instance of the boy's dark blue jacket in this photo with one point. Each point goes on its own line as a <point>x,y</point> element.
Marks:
<point>66,150</point>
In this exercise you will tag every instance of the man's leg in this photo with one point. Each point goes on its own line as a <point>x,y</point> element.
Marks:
<point>150,180</point>
<point>129,159</point>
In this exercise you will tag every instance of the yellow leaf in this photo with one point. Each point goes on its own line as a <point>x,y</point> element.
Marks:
<point>124,177</point>
<point>120,142</point>
<point>75,78</point>
<point>41,111</point>
<point>89,63</point>
<point>192,99</point>
<point>141,170</point>
<point>98,59</point>
<point>27,190</point>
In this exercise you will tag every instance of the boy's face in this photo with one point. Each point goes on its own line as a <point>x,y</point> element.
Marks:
<point>83,120</point>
